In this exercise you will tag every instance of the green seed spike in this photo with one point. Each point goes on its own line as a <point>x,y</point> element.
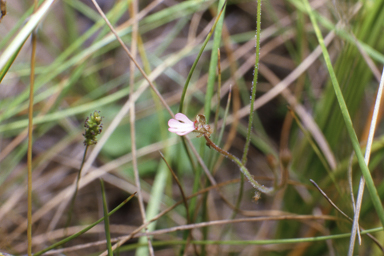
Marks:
<point>93,127</point>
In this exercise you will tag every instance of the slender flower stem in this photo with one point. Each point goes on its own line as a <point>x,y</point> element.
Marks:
<point>243,169</point>
<point>77,188</point>
<point>254,83</point>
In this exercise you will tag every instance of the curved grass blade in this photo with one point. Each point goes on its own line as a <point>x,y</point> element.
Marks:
<point>9,63</point>
<point>106,220</point>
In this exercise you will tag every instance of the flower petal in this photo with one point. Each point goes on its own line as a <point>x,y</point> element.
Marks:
<point>181,129</point>
<point>173,123</point>
<point>172,129</point>
<point>181,126</point>
<point>183,118</point>
<point>182,133</point>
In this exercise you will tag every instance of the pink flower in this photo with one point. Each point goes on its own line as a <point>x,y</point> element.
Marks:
<point>181,125</point>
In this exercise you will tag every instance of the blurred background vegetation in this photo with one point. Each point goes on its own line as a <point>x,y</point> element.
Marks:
<point>80,67</point>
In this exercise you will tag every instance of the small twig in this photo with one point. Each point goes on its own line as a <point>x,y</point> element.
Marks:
<point>330,201</point>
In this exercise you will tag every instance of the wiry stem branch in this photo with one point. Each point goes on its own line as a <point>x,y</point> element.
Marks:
<point>243,169</point>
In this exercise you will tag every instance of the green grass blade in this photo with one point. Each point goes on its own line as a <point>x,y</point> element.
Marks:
<point>9,63</point>
<point>106,220</point>
<point>24,33</point>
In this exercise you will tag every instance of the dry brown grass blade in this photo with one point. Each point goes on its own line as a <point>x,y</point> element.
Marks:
<point>30,131</point>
